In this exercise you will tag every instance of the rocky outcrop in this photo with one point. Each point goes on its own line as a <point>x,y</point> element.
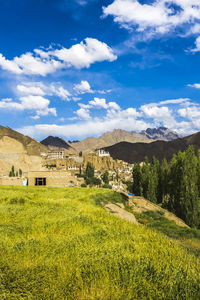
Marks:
<point>161,133</point>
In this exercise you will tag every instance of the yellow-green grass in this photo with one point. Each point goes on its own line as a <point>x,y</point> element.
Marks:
<point>59,244</point>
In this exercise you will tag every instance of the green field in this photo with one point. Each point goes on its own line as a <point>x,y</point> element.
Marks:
<point>61,244</point>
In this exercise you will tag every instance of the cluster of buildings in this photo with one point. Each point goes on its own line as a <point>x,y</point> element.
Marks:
<point>60,170</point>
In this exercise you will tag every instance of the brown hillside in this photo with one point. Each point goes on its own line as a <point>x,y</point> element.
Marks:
<point>19,151</point>
<point>136,152</point>
<point>31,146</point>
<point>108,139</point>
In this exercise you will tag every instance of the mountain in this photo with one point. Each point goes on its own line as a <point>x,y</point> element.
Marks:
<point>55,142</point>
<point>108,139</point>
<point>20,151</point>
<point>29,145</point>
<point>136,152</point>
<point>161,133</point>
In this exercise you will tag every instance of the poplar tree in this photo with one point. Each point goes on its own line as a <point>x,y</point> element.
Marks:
<point>163,183</point>
<point>145,176</point>
<point>137,180</point>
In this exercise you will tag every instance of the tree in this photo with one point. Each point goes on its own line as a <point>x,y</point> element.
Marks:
<point>20,172</point>
<point>89,172</point>
<point>105,177</point>
<point>184,194</point>
<point>12,172</point>
<point>146,173</point>
<point>137,180</point>
<point>189,189</point>
<point>163,181</point>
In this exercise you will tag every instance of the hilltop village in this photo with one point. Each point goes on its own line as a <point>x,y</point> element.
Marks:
<point>61,169</point>
<point>55,162</point>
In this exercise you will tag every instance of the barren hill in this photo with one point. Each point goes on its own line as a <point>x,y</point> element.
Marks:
<point>19,150</point>
<point>54,141</point>
<point>136,152</point>
<point>108,139</point>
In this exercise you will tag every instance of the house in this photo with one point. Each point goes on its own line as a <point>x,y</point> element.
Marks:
<point>53,178</point>
<point>102,152</point>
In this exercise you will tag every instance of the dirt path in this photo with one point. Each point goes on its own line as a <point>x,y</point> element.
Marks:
<point>118,210</point>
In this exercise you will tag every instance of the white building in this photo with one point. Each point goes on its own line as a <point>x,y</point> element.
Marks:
<point>102,153</point>
<point>56,154</point>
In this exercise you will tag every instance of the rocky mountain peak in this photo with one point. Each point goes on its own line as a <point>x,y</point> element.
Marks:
<point>161,133</point>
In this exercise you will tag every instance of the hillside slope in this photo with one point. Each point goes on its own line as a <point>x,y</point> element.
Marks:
<point>77,250</point>
<point>109,138</point>
<point>136,152</point>
<point>54,141</point>
<point>19,150</point>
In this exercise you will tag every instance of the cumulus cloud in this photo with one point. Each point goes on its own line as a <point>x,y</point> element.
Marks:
<point>197,45</point>
<point>180,115</point>
<point>101,103</point>
<point>38,104</point>
<point>83,114</point>
<point>83,87</point>
<point>40,89</point>
<point>43,62</point>
<point>155,17</point>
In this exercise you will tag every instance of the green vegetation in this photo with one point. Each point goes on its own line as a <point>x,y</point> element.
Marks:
<point>185,236</point>
<point>176,186</point>
<point>12,173</point>
<point>89,177</point>
<point>60,244</point>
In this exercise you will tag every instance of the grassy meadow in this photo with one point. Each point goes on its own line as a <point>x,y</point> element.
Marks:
<point>59,243</point>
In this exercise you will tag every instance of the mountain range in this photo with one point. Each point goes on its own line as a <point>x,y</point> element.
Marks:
<point>25,153</point>
<point>113,137</point>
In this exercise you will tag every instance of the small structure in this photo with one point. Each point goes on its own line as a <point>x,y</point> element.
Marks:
<point>55,154</point>
<point>102,152</point>
<point>52,178</point>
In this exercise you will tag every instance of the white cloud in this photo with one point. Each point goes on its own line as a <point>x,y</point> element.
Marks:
<point>98,103</point>
<point>157,17</point>
<point>195,85</point>
<point>38,104</point>
<point>180,115</point>
<point>83,114</point>
<point>101,103</point>
<point>40,89</point>
<point>42,62</point>
<point>30,89</point>
<point>83,87</point>
<point>197,44</point>
<point>86,53</point>
<point>60,92</point>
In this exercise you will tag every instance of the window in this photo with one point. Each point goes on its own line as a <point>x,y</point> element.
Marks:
<point>40,181</point>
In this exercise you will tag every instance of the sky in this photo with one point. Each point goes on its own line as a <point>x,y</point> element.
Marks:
<point>79,68</point>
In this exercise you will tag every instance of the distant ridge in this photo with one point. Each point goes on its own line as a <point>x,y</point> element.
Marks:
<point>55,142</point>
<point>161,133</point>
<point>136,152</point>
<point>108,139</point>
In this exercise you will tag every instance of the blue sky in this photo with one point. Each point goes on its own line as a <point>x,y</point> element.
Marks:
<point>77,68</point>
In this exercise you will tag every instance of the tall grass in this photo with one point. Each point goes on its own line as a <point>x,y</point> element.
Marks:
<point>59,244</point>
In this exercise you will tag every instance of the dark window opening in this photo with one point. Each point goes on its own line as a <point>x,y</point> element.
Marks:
<point>40,181</point>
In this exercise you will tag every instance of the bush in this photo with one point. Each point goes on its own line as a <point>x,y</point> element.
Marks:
<point>107,186</point>
<point>83,185</point>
